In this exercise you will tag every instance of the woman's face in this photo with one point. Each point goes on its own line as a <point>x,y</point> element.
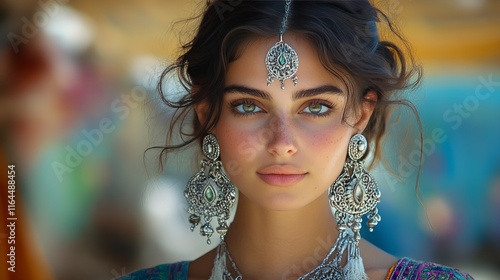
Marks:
<point>283,148</point>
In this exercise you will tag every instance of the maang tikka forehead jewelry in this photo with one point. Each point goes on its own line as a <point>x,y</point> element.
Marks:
<point>282,61</point>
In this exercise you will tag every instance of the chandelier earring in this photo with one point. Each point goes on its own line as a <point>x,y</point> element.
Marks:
<point>209,193</point>
<point>353,195</point>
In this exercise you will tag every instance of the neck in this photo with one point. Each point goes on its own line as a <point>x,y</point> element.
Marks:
<point>280,244</point>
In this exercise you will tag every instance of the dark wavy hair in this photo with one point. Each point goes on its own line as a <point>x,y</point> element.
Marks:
<point>347,41</point>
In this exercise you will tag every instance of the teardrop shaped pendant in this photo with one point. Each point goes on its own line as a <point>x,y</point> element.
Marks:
<point>282,62</point>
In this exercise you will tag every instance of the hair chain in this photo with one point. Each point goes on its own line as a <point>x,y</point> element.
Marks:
<point>284,22</point>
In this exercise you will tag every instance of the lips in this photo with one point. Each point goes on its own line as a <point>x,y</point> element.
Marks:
<point>281,175</point>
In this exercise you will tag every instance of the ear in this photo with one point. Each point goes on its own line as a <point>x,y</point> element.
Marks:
<point>367,106</point>
<point>201,110</point>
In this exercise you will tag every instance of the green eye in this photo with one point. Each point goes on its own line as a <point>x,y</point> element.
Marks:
<point>316,109</point>
<point>248,108</point>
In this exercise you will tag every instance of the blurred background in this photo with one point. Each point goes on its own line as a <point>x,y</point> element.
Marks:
<point>78,108</point>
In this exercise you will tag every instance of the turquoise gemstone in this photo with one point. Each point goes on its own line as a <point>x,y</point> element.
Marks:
<point>209,193</point>
<point>282,60</point>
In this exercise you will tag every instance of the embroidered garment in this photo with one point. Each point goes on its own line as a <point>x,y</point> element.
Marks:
<point>408,269</point>
<point>174,271</point>
<point>404,269</point>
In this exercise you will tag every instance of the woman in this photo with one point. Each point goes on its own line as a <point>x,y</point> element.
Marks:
<point>287,96</point>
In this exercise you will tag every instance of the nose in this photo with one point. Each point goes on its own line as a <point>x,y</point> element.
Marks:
<point>282,142</point>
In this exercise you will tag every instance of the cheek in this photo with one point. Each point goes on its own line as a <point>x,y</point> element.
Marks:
<point>332,139</point>
<point>238,146</point>
<point>330,149</point>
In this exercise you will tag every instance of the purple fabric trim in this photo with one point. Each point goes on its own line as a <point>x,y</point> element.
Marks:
<point>408,269</point>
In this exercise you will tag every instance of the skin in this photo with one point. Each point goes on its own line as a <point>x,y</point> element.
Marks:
<point>283,225</point>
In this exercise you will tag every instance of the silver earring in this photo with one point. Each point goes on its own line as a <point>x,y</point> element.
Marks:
<point>210,193</point>
<point>353,195</point>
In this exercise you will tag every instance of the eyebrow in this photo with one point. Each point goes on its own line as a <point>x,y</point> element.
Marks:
<point>303,93</point>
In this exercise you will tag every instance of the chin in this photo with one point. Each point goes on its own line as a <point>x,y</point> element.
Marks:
<point>282,202</point>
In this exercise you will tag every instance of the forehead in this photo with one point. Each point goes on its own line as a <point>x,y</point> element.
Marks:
<point>249,67</point>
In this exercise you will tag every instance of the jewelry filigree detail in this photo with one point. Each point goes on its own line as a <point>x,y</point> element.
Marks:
<point>282,62</point>
<point>210,193</point>
<point>355,192</point>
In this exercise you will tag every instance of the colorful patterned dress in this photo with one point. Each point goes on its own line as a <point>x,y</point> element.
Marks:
<point>404,269</point>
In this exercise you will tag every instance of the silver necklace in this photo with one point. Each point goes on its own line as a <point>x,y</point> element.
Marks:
<point>328,269</point>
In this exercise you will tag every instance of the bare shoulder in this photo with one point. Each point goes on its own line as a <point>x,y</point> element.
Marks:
<point>201,268</point>
<point>377,262</point>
